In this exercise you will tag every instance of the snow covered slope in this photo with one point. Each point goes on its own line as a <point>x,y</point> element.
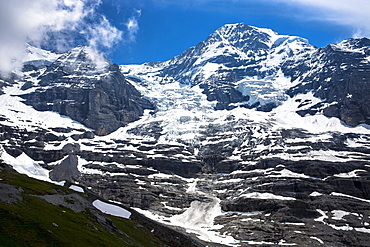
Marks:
<point>207,99</point>
<point>244,61</point>
<point>38,57</point>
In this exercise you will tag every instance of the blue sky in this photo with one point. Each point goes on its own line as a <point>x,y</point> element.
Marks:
<point>166,28</point>
<point>138,31</point>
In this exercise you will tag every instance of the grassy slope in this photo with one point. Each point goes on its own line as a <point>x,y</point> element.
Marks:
<point>35,222</point>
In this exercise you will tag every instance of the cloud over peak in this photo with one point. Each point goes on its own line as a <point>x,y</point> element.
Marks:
<point>55,23</point>
<point>103,34</point>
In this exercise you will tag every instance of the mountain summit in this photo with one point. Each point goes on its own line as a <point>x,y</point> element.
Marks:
<point>247,38</point>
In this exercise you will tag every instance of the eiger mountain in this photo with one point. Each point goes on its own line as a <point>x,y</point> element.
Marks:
<point>250,138</point>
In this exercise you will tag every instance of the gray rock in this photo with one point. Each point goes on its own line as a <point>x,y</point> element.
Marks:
<point>342,81</point>
<point>67,170</point>
<point>9,193</point>
<point>71,148</point>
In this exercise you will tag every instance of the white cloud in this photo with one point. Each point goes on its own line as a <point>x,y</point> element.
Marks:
<point>50,21</point>
<point>133,25</point>
<point>103,34</point>
<point>352,13</point>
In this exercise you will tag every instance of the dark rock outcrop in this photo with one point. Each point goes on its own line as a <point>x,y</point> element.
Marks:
<point>94,93</point>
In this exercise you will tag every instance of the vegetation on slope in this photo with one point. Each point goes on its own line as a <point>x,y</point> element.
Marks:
<point>29,219</point>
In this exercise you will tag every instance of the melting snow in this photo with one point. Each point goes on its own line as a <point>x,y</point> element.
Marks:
<point>286,115</point>
<point>352,174</point>
<point>315,193</point>
<point>349,196</point>
<point>199,219</point>
<point>339,215</point>
<point>196,214</point>
<point>81,167</point>
<point>24,116</point>
<point>287,174</point>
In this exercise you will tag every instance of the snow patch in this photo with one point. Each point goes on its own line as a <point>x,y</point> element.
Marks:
<point>77,188</point>
<point>317,239</point>
<point>37,56</point>
<point>352,174</point>
<point>199,219</point>
<point>111,209</point>
<point>24,116</point>
<point>25,165</point>
<point>349,196</point>
<point>286,116</point>
<point>210,68</point>
<point>266,196</point>
<point>315,193</point>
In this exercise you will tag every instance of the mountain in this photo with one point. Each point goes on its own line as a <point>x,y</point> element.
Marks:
<point>254,67</point>
<point>249,138</point>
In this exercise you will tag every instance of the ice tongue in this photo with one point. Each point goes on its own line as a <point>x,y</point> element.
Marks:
<point>200,214</point>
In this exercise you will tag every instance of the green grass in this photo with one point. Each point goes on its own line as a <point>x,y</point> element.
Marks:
<point>35,222</point>
<point>29,185</point>
<point>138,233</point>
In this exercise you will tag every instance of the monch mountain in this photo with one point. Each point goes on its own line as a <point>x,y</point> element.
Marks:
<point>250,138</point>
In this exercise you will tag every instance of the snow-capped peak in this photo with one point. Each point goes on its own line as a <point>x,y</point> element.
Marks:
<point>240,35</point>
<point>246,60</point>
<point>353,45</point>
<point>248,37</point>
<point>37,56</point>
<point>83,58</point>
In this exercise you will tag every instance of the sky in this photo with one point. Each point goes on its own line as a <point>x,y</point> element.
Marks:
<point>138,31</point>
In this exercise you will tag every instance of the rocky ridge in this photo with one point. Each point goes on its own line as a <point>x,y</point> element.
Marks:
<point>339,76</point>
<point>84,86</point>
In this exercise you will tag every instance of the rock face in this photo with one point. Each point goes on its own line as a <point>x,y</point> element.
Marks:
<point>88,88</point>
<point>65,208</point>
<point>340,78</point>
